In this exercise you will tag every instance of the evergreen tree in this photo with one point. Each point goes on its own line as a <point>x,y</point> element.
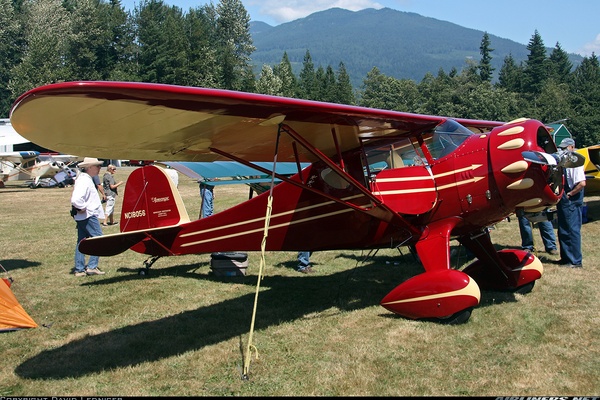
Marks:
<point>10,51</point>
<point>202,67</point>
<point>319,92</point>
<point>86,42</point>
<point>268,82</point>
<point>535,71</point>
<point>234,43</point>
<point>308,81</point>
<point>511,75</point>
<point>344,90</point>
<point>388,93</point>
<point>438,93</point>
<point>559,65</point>
<point>485,64</point>
<point>553,103</point>
<point>47,33</point>
<point>585,101</point>
<point>117,59</point>
<point>328,86</point>
<point>162,43</point>
<point>289,83</point>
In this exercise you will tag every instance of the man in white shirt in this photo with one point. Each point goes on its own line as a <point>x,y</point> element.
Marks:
<point>87,212</point>
<point>569,213</point>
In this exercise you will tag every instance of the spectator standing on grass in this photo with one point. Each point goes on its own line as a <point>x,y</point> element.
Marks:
<point>87,212</point>
<point>207,196</point>
<point>96,180</point>
<point>546,232</point>
<point>304,262</point>
<point>111,191</point>
<point>569,213</point>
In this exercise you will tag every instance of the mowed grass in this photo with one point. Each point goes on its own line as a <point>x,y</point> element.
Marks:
<point>181,331</point>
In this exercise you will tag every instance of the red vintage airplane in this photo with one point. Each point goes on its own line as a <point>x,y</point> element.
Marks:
<point>377,179</point>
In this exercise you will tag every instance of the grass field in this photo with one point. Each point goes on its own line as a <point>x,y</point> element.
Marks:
<point>181,332</point>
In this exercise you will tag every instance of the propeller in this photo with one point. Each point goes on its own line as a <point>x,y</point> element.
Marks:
<point>562,158</point>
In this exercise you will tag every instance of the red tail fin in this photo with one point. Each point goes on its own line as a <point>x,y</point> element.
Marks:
<point>151,200</point>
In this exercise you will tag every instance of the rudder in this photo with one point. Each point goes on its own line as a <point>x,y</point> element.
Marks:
<point>151,200</point>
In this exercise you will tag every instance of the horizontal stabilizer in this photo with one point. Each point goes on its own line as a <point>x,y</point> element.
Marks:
<point>111,245</point>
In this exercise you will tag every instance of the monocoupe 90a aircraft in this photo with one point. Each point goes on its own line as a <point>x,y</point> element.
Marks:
<point>376,179</point>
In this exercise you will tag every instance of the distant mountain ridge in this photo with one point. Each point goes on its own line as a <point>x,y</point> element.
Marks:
<point>400,44</point>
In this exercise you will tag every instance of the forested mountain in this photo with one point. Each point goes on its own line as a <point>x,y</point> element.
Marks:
<point>400,44</point>
<point>383,59</point>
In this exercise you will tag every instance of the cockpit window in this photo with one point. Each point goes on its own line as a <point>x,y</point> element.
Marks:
<point>390,153</point>
<point>446,138</point>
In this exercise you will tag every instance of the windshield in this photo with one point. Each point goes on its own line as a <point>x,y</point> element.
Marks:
<point>446,138</point>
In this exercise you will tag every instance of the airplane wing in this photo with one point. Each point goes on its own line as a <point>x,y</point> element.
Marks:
<point>64,158</point>
<point>231,172</point>
<point>17,157</point>
<point>126,120</point>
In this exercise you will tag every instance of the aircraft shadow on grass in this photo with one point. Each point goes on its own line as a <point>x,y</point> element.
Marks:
<point>11,264</point>
<point>288,299</point>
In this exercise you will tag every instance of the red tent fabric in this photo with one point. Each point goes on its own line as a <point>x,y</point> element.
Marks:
<point>12,315</point>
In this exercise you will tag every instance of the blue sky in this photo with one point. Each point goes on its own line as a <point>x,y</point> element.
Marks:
<point>575,24</point>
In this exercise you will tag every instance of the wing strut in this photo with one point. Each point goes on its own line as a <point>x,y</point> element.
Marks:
<point>382,211</point>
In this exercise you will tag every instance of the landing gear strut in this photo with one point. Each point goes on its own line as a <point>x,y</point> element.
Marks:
<point>147,264</point>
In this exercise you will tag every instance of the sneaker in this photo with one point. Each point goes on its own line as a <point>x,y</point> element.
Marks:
<point>571,265</point>
<point>80,273</point>
<point>553,252</point>
<point>306,270</point>
<point>94,271</point>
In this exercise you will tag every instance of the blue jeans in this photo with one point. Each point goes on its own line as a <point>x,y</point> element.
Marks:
<point>569,228</point>
<point>546,232</point>
<point>303,259</point>
<point>87,228</point>
<point>206,194</point>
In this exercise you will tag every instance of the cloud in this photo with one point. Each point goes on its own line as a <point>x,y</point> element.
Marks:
<point>591,47</point>
<point>289,10</point>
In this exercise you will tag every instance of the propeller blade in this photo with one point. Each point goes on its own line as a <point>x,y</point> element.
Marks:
<point>539,157</point>
<point>565,159</point>
<point>570,159</point>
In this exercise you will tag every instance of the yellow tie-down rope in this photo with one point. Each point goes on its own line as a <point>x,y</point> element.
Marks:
<point>263,245</point>
<point>260,277</point>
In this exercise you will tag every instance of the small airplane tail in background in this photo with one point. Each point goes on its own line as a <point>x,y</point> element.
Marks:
<point>151,201</point>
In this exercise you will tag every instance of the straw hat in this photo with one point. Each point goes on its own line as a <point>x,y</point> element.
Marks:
<point>89,161</point>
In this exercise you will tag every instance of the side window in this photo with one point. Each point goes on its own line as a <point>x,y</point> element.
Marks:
<point>391,153</point>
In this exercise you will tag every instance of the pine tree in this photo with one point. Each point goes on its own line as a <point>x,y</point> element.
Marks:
<point>559,65</point>
<point>268,82</point>
<point>585,100</point>
<point>535,71</point>
<point>511,75</point>
<point>202,68</point>
<point>328,86</point>
<point>485,64</point>
<point>116,59</point>
<point>289,83</point>
<point>86,42</point>
<point>234,43</point>
<point>344,90</point>
<point>307,88</point>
